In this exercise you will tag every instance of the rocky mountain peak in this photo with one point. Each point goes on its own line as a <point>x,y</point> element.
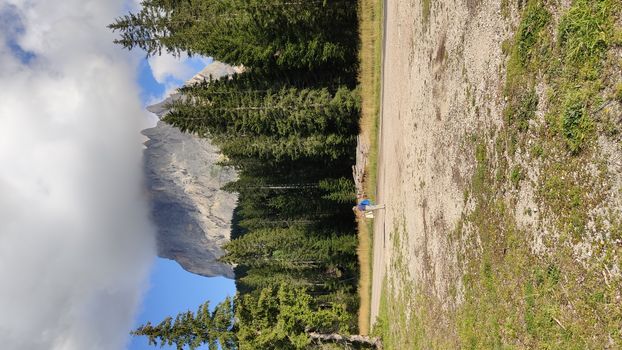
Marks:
<point>191,212</point>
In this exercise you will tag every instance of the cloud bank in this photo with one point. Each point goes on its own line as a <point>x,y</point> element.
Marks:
<point>75,239</point>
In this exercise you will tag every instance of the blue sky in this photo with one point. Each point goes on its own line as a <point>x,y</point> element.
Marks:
<point>172,289</point>
<point>159,74</point>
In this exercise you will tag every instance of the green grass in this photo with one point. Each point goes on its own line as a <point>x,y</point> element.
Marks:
<point>585,32</point>
<point>576,125</point>
<point>535,19</point>
<point>514,298</point>
<point>572,63</point>
<point>585,35</point>
<point>516,175</point>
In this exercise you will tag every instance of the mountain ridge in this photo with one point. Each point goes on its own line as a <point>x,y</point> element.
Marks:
<point>192,214</point>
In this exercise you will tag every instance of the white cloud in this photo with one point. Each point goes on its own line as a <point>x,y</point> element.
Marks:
<point>167,68</point>
<point>75,240</point>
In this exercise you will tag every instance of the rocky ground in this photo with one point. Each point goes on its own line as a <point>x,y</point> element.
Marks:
<point>503,219</point>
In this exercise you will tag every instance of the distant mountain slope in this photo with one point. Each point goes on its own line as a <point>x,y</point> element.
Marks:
<point>192,214</point>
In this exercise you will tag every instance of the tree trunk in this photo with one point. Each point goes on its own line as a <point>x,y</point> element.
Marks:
<point>338,338</point>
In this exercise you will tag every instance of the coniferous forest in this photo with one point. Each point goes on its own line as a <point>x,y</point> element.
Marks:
<point>288,124</point>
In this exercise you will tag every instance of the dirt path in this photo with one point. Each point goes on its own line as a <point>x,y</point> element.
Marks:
<point>440,67</point>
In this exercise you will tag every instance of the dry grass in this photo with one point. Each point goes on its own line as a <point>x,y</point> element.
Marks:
<point>370,30</point>
<point>364,252</point>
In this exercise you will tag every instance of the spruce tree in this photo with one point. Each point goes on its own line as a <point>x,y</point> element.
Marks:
<point>229,108</point>
<point>194,329</point>
<point>289,248</point>
<point>288,318</point>
<point>292,147</point>
<point>271,33</point>
<point>341,190</point>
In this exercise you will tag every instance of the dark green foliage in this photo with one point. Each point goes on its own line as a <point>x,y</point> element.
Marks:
<point>260,34</point>
<point>618,93</point>
<point>290,248</point>
<point>249,120</point>
<point>575,123</point>
<point>288,125</point>
<point>194,329</point>
<point>281,318</point>
<point>290,147</point>
<point>516,176</point>
<point>535,18</point>
<point>340,190</point>
<point>153,28</point>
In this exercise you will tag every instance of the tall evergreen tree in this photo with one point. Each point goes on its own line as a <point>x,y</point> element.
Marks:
<point>288,318</point>
<point>194,329</point>
<point>289,248</point>
<point>288,148</point>
<point>267,33</point>
<point>341,190</point>
<point>228,108</point>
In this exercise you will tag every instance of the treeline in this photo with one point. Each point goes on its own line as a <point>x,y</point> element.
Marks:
<point>288,124</point>
<point>280,318</point>
<point>310,36</point>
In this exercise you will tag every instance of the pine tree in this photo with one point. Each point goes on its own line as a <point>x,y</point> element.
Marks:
<point>194,329</point>
<point>271,33</point>
<point>289,148</point>
<point>341,190</point>
<point>283,248</point>
<point>231,108</point>
<point>288,248</point>
<point>288,318</point>
<point>159,25</point>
